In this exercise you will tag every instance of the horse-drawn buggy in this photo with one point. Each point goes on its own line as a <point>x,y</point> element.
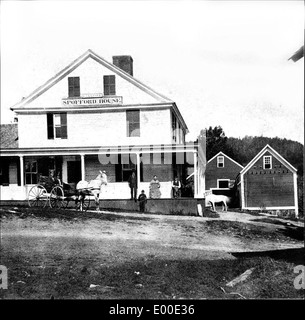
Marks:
<point>51,192</point>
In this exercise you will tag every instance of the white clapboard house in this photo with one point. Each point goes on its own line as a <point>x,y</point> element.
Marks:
<point>94,115</point>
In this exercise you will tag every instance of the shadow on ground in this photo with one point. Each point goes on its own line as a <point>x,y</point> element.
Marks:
<point>296,256</point>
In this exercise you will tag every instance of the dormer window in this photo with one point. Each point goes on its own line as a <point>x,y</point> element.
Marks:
<point>220,162</point>
<point>109,85</point>
<point>267,162</point>
<point>74,87</point>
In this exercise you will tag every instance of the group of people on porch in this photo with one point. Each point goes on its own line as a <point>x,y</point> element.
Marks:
<point>154,187</point>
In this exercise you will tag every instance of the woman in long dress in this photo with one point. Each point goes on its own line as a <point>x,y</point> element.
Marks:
<point>154,188</point>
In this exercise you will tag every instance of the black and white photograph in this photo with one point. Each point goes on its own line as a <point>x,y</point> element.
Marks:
<point>152,151</point>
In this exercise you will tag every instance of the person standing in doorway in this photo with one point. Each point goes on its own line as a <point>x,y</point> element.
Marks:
<point>133,185</point>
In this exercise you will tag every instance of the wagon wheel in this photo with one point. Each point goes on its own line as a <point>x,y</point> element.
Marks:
<point>57,199</point>
<point>37,196</point>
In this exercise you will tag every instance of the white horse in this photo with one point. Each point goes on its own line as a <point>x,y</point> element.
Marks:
<point>94,186</point>
<point>214,198</point>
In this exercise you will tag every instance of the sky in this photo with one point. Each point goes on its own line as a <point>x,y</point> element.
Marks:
<point>223,62</point>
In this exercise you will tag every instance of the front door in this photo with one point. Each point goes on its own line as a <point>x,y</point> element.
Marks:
<point>74,171</point>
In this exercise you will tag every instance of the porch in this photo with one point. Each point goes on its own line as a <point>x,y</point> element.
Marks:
<point>71,166</point>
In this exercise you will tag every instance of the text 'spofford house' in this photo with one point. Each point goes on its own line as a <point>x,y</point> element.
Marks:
<point>94,115</point>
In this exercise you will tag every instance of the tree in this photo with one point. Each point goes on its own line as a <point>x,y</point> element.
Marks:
<point>216,141</point>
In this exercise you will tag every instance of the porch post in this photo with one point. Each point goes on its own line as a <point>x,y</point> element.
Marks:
<point>21,171</point>
<point>295,189</point>
<point>82,160</point>
<point>242,191</point>
<point>195,175</point>
<point>138,170</point>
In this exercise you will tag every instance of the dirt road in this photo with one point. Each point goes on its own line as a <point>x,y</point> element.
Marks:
<point>62,253</point>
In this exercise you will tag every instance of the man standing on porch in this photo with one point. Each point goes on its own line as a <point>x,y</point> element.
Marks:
<point>133,185</point>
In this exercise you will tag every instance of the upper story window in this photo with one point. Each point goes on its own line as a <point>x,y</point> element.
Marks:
<point>74,87</point>
<point>109,85</point>
<point>220,162</point>
<point>57,125</point>
<point>174,127</point>
<point>133,123</point>
<point>267,162</point>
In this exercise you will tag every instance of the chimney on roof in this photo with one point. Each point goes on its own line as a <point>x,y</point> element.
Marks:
<point>124,62</point>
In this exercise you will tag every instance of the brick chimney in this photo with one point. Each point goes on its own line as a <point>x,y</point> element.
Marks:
<point>124,62</point>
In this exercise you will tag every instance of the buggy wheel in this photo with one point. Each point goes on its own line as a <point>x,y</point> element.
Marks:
<point>57,199</point>
<point>86,203</point>
<point>37,196</point>
<point>83,205</point>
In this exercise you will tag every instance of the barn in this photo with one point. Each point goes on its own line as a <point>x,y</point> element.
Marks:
<point>268,182</point>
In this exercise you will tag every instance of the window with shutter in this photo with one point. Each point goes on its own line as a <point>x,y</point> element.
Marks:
<point>74,87</point>
<point>109,85</point>
<point>133,123</point>
<point>57,125</point>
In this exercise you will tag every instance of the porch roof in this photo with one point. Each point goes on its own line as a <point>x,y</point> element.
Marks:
<point>187,147</point>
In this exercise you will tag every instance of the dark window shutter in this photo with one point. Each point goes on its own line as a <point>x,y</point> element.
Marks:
<point>63,120</point>
<point>76,87</point>
<point>118,170</point>
<point>106,86</point>
<point>50,125</point>
<point>70,85</point>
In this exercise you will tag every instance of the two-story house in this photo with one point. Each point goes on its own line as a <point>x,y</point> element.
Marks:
<point>94,115</point>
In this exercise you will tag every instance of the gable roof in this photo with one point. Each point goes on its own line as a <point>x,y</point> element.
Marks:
<point>223,154</point>
<point>76,63</point>
<point>268,148</point>
<point>9,136</point>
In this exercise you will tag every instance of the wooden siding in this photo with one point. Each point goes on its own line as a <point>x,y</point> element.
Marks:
<point>229,171</point>
<point>269,188</point>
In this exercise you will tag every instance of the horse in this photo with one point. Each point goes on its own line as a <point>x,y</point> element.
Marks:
<point>94,186</point>
<point>213,199</point>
